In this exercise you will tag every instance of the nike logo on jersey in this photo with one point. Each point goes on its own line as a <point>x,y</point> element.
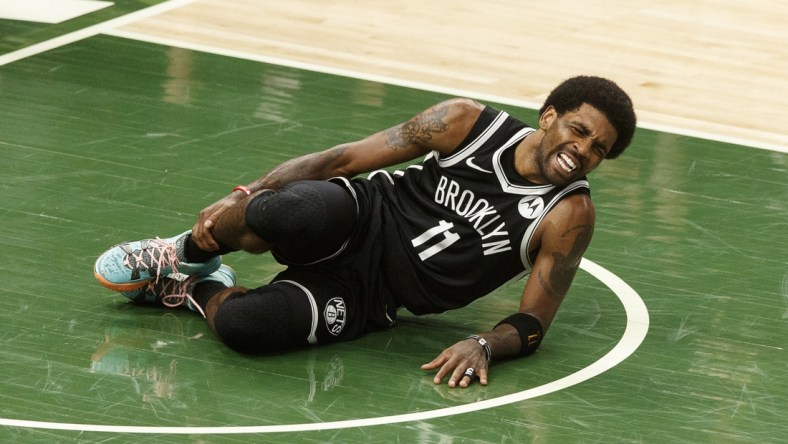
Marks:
<point>469,162</point>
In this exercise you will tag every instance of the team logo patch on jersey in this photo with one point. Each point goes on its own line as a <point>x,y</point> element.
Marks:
<point>334,314</point>
<point>531,207</point>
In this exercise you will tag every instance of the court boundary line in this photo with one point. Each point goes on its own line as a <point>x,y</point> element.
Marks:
<point>90,31</point>
<point>109,27</point>
<point>635,332</point>
<point>360,75</point>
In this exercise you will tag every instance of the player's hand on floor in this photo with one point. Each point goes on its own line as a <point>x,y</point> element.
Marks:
<point>463,363</point>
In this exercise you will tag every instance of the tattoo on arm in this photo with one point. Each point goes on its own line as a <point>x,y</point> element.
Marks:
<point>419,129</point>
<point>565,266</point>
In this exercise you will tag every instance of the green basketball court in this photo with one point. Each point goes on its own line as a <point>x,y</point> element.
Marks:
<point>674,331</point>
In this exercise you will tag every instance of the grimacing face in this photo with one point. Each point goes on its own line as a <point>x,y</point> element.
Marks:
<point>574,143</point>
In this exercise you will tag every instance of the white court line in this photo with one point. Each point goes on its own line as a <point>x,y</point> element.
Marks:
<point>109,27</point>
<point>634,334</point>
<point>90,31</point>
<point>420,86</point>
<point>637,314</point>
<point>49,11</point>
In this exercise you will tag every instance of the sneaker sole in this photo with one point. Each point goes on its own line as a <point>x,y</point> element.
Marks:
<point>125,286</point>
<point>128,286</point>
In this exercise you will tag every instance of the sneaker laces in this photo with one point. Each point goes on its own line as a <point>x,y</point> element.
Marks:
<point>174,293</point>
<point>153,253</point>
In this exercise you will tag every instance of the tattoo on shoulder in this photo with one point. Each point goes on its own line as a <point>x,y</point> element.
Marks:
<point>565,266</point>
<point>420,129</point>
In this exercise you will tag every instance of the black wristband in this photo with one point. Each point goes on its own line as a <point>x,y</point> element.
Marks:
<point>529,329</point>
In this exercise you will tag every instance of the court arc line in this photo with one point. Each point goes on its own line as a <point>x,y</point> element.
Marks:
<point>634,333</point>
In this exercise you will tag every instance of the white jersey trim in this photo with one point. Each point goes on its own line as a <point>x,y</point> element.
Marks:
<point>469,149</point>
<point>398,173</point>
<point>506,185</point>
<point>312,338</point>
<point>384,173</point>
<point>525,244</point>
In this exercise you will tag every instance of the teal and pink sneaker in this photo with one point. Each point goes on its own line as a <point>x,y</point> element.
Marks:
<point>132,265</point>
<point>176,289</point>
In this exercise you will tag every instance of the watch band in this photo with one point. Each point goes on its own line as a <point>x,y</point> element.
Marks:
<point>484,344</point>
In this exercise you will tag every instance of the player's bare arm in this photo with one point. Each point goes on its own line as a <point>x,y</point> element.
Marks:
<point>563,237</point>
<point>441,128</point>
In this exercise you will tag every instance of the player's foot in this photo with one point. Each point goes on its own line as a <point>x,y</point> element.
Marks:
<point>176,289</point>
<point>131,265</point>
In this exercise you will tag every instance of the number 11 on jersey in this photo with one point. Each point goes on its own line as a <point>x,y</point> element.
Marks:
<point>448,239</point>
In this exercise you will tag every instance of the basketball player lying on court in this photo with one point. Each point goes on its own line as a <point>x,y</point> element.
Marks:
<point>493,201</point>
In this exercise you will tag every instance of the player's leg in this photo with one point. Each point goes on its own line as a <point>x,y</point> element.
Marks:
<point>178,290</point>
<point>304,221</point>
<point>299,308</point>
<point>278,316</point>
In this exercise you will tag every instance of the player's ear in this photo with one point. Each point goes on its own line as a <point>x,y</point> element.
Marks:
<point>548,117</point>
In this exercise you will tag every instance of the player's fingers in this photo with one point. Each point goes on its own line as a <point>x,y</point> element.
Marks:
<point>458,374</point>
<point>201,235</point>
<point>444,371</point>
<point>468,376</point>
<point>482,375</point>
<point>435,363</point>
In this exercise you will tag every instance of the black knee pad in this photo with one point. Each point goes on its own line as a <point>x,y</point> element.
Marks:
<point>271,318</point>
<point>304,221</point>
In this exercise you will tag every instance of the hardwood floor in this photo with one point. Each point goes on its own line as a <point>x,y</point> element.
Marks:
<point>712,68</point>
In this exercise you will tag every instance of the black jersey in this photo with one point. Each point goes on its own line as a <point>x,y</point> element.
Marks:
<point>458,227</point>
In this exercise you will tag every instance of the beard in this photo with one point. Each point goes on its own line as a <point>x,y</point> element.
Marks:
<point>549,167</point>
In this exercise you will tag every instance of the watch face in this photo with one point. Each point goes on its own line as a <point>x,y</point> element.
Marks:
<point>482,341</point>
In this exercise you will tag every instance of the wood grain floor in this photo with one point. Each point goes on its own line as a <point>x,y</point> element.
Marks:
<point>105,139</point>
<point>714,68</point>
